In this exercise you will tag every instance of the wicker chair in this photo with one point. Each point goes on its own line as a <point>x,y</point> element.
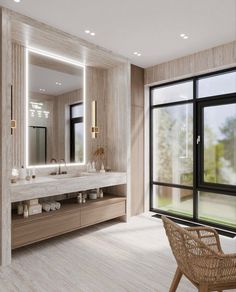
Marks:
<point>200,258</point>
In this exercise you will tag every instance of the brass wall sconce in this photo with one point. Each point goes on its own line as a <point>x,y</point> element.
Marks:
<point>94,129</point>
<point>13,124</point>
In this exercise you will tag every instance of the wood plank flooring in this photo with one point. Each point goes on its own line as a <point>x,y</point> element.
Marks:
<point>112,256</point>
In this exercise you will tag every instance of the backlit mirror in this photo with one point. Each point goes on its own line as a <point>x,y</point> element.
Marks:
<point>55,110</point>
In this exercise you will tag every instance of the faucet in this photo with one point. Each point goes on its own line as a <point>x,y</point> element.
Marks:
<point>54,172</point>
<point>59,169</point>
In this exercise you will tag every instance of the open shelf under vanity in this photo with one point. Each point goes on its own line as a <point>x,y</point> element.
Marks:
<point>70,217</point>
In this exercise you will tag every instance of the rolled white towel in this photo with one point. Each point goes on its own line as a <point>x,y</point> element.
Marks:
<point>52,206</point>
<point>46,206</point>
<point>57,205</point>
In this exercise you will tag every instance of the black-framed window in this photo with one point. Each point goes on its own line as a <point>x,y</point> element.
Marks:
<point>77,132</point>
<point>193,149</point>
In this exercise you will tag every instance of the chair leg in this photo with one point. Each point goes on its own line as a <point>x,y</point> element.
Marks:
<point>203,288</point>
<point>176,280</point>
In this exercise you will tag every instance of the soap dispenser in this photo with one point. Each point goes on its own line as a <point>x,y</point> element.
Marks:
<point>22,172</point>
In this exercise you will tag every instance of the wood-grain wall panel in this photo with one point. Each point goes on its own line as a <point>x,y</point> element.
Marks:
<point>118,117</point>
<point>96,89</point>
<point>137,140</point>
<point>5,143</point>
<point>18,94</point>
<point>217,58</point>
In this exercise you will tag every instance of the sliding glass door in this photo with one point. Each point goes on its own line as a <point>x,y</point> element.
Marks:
<point>193,149</point>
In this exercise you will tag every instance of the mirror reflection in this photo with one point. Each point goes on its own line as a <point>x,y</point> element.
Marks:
<point>55,111</point>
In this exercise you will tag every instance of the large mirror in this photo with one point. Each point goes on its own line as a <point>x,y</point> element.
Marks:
<point>55,110</point>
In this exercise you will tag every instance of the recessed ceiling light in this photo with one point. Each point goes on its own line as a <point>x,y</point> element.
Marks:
<point>137,54</point>
<point>42,89</point>
<point>184,36</point>
<point>58,83</point>
<point>17,1</point>
<point>87,31</point>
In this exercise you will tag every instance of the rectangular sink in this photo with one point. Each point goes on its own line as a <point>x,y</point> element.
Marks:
<point>71,175</point>
<point>68,175</point>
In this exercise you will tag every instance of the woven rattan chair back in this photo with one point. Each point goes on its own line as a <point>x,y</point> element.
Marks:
<point>200,258</point>
<point>189,251</point>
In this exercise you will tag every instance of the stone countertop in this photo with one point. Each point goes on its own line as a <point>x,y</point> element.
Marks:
<point>46,186</point>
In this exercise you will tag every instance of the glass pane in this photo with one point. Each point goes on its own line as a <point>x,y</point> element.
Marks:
<point>173,144</point>
<point>172,93</point>
<point>77,110</point>
<point>79,133</point>
<point>217,85</point>
<point>217,208</point>
<point>220,144</point>
<point>173,200</point>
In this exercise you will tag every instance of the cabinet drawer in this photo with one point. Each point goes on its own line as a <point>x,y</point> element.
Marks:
<point>36,230</point>
<point>91,216</point>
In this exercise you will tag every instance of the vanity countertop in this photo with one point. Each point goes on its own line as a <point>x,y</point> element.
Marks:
<point>45,186</point>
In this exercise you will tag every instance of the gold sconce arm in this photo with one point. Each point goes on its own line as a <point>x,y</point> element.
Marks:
<point>94,128</point>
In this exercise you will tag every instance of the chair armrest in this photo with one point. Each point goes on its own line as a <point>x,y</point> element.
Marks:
<point>207,235</point>
<point>232,256</point>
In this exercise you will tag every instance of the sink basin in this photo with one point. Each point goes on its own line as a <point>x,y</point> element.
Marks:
<point>68,175</point>
<point>72,175</point>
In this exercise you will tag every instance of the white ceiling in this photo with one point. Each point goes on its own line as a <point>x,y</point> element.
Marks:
<point>44,78</point>
<point>151,27</point>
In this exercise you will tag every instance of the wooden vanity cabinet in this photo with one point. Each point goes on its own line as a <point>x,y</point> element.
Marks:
<point>70,217</point>
<point>94,214</point>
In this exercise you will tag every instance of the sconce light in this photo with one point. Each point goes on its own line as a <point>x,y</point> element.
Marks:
<point>13,124</point>
<point>94,128</point>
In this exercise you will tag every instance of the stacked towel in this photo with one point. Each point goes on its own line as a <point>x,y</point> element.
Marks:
<point>51,206</point>
<point>46,206</point>
<point>57,205</point>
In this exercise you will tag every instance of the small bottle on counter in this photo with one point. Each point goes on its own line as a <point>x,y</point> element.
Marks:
<point>26,211</point>
<point>101,193</point>
<point>22,173</point>
<point>14,175</point>
<point>20,209</point>
<point>33,173</point>
<point>89,166</point>
<point>28,175</point>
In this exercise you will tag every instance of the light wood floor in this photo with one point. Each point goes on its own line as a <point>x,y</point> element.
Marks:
<point>110,257</point>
